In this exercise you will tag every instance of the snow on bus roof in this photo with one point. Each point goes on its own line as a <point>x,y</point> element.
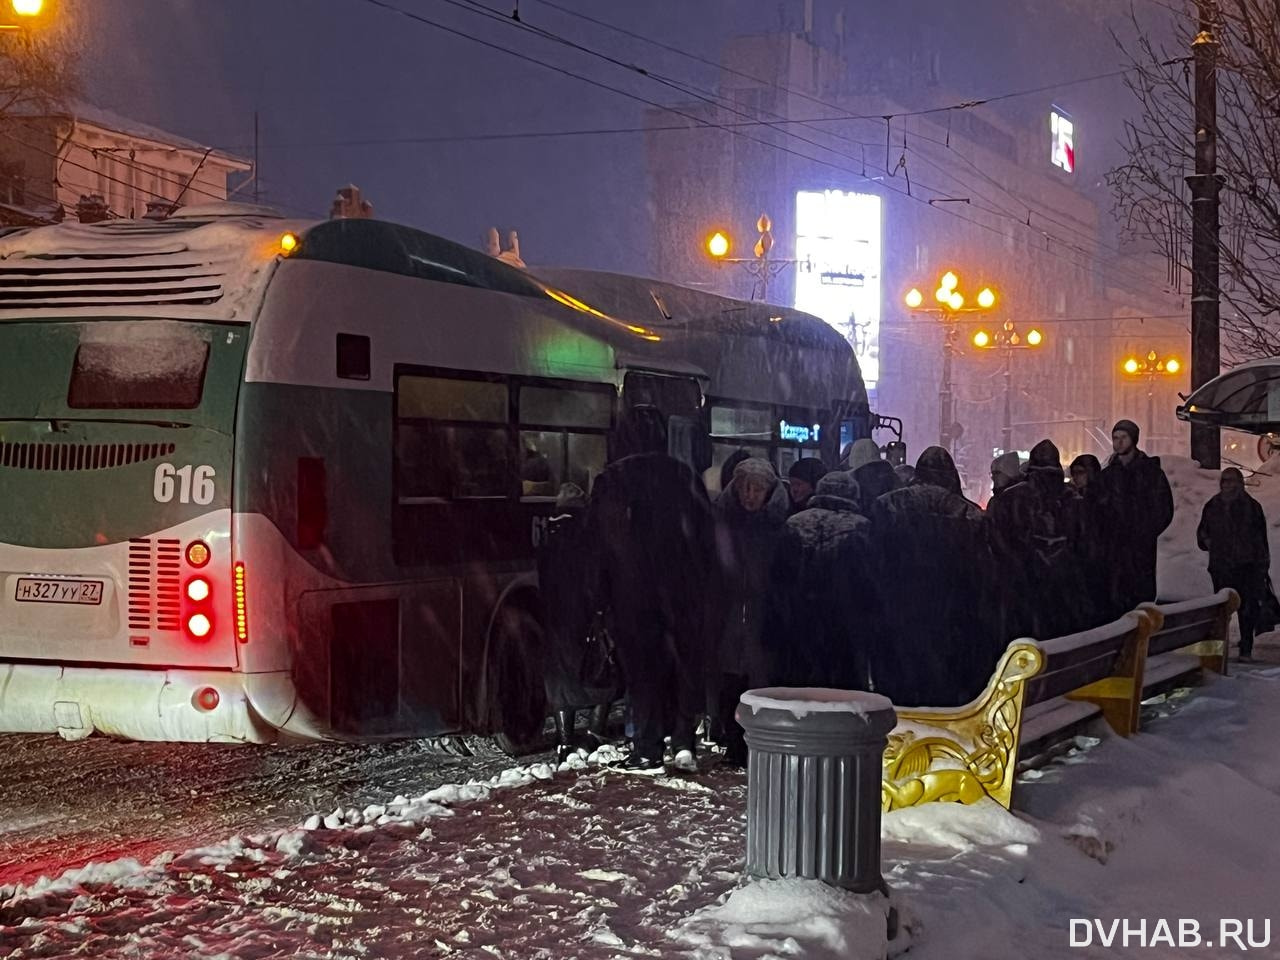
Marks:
<point>205,262</point>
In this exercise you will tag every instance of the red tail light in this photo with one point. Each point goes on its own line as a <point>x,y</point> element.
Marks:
<point>199,626</point>
<point>198,589</point>
<point>207,698</point>
<point>238,588</point>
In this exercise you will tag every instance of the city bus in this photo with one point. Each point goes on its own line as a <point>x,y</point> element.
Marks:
<point>264,479</point>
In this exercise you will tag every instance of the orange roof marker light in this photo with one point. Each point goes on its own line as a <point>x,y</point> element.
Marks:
<point>288,243</point>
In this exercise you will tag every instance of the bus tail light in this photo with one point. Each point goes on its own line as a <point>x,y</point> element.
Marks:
<point>198,589</point>
<point>197,553</point>
<point>199,626</point>
<point>238,590</point>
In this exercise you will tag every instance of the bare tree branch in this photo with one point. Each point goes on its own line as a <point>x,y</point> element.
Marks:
<point>1151,196</point>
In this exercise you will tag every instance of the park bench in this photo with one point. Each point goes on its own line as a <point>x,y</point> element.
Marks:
<point>1193,637</point>
<point>962,754</point>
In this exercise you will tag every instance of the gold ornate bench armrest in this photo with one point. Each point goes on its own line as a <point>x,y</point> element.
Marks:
<point>976,745</point>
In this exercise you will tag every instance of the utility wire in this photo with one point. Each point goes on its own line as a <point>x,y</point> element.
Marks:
<point>383,4</point>
<point>473,6</point>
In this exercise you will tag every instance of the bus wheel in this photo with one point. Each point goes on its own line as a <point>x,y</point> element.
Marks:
<point>517,699</point>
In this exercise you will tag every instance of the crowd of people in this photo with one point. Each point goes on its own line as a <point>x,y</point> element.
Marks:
<point>867,577</point>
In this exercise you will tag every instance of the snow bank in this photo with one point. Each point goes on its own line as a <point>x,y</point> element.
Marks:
<point>787,918</point>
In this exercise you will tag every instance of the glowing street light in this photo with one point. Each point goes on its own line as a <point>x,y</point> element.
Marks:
<point>951,302</point>
<point>1152,367</point>
<point>982,339</point>
<point>763,267</point>
<point>28,8</point>
<point>1034,337</point>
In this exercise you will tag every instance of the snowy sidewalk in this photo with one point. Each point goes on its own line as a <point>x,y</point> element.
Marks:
<point>1178,822</point>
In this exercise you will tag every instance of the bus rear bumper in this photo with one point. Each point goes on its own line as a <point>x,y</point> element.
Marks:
<point>74,702</point>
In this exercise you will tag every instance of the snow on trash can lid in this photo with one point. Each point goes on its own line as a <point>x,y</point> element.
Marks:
<point>802,701</point>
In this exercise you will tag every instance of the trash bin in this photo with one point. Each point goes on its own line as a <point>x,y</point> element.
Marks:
<point>813,784</point>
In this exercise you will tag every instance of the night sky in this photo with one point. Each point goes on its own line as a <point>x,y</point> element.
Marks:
<point>326,71</point>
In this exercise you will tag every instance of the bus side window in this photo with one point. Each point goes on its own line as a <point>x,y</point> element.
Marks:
<point>452,439</point>
<point>563,432</point>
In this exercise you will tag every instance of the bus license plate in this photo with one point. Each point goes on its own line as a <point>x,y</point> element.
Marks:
<point>41,590</point>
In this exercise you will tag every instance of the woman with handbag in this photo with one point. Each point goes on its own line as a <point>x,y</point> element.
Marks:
<point>580,672</point>
<point>1233,529</point>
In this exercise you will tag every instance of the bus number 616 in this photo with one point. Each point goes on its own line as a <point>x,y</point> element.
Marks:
<point>190,484</point>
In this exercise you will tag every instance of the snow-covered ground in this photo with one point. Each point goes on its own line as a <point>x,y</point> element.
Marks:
<point>371,852</point>
<point>1176,823</point>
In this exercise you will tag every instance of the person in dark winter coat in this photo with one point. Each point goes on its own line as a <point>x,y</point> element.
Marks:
<point>566,565</point>
<point>1090,535</point>
<point>751,519</point>
<point>1140,507</point>
<point>932,568</point>
<point>875,476</point>
<point>802,480</point>
<point>1031,526</point>
<point>650,519</point>
<point>821,590</point>
<point>1233,529</point>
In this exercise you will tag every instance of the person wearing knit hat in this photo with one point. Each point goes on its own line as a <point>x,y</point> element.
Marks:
<point>802,478</point>
<point>1233,531</point>
<point>1140,508</point>
<point>1130,429</point>
<point>751,519</point>
<point>1031,529</point>
<point>821,591</point>
<point>1006,470</point>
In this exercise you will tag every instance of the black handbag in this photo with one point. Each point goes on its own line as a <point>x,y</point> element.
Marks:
<point>1268,610</point>
<point>598,670</point>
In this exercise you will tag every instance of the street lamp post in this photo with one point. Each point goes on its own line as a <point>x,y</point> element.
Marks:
<point>951,304</point>
<point>762,267</point>
<point>1152,367</point>
<point>1008,339</point>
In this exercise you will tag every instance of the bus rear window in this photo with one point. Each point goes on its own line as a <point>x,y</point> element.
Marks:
<point>149,372</point>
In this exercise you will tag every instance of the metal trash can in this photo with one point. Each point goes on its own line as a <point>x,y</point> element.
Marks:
<point>813,784</point>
